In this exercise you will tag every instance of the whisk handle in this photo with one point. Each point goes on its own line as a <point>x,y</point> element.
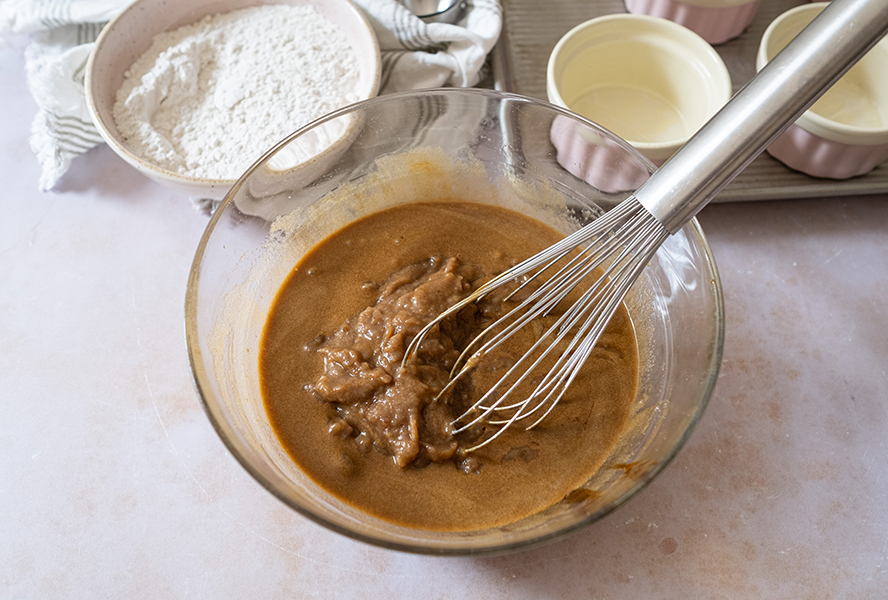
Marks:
<point>763,108</point>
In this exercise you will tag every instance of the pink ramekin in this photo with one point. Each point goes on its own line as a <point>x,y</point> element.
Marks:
<point>845,133</point>
<point>716,21</point>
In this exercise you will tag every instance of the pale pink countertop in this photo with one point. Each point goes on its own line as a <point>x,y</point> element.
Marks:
<point>114,485</point>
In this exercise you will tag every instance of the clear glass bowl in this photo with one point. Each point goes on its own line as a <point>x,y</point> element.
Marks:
<point>472,144</point>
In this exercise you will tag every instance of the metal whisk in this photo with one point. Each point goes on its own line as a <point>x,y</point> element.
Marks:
<point>623,240</point>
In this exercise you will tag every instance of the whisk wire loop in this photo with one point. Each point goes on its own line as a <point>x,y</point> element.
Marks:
<point>610,252</point>
<point>595,310</point>
<point>538,303</point>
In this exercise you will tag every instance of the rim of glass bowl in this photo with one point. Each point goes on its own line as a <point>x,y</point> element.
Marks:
<point>221,427</point>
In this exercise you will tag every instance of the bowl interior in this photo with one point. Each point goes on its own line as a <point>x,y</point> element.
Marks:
<point>130,34</point>
<point>476,145</point>
<point>855,110</point>
<point>650,81</point>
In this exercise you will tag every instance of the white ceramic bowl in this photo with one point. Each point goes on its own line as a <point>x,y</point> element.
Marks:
<point>652,82</point>
<point>845,133</point>
<point>130,34</point>
<point>716,21</point>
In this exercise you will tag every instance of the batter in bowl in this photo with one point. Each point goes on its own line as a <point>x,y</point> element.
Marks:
<point>375,437</point>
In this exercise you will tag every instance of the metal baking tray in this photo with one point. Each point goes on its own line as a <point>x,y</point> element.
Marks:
<point>531,28</point>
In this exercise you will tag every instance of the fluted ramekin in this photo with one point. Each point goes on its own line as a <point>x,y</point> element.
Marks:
<point>652,82</point>
<point>845,133</point>
<point>716,21</point>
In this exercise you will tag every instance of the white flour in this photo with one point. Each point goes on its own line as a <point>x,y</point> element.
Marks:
<point>208,99</point>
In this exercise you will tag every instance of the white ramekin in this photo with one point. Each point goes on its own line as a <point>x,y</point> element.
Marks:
<point>845,133</point>
<point>652,82</point>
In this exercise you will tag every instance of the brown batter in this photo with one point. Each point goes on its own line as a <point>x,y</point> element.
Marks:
<point>373,435</point>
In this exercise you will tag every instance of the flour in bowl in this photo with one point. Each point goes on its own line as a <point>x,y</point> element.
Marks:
<point>208,99</point>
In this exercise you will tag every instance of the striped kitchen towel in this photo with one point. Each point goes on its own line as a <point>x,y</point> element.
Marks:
<point>415,55</point>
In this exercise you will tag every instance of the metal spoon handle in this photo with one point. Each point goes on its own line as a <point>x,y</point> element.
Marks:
<point>786,87</point>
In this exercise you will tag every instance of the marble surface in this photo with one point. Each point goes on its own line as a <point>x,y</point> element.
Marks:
<point>114,485</point>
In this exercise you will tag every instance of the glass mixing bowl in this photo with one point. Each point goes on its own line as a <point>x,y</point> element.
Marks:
<point>476,145</point>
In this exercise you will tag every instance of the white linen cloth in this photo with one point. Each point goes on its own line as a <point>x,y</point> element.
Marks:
<point>415,55</point>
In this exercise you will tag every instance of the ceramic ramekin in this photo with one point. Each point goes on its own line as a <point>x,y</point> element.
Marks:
<point>652,82</point>
<point>716,21</point>
<point>599,161</point>
<point>845,133</point>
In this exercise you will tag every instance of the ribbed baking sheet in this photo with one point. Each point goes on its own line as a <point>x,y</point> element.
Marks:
<point>533,27</point>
